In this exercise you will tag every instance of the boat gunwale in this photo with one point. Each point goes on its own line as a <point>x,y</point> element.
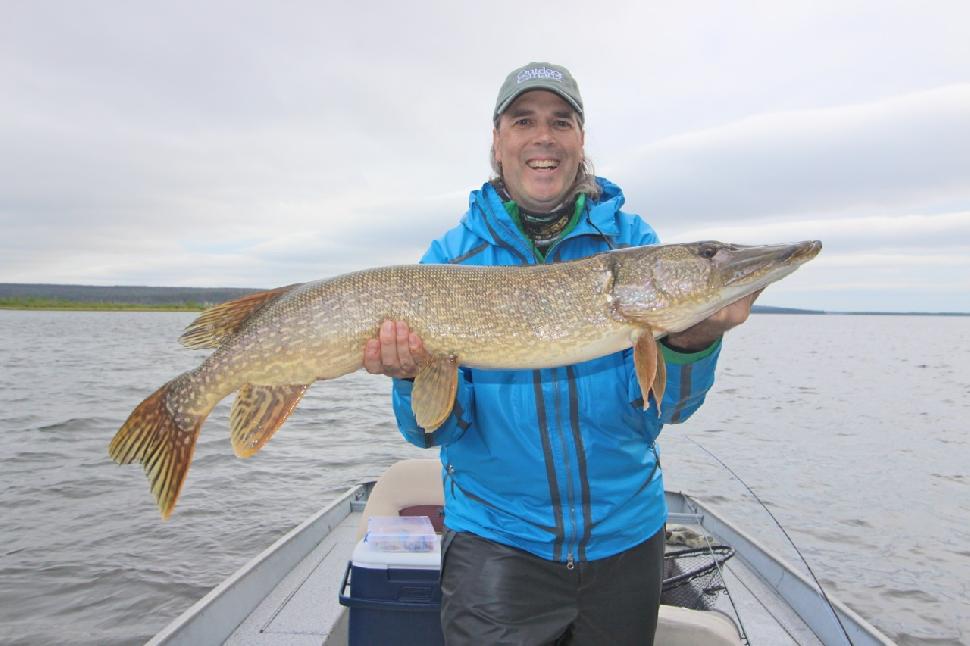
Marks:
<point>215,616</point>
<point>794,588</point>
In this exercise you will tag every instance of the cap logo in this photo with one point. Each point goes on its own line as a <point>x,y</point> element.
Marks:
<point>538,73</point>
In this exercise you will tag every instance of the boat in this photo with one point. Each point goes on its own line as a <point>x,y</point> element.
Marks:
<point>291,593</point>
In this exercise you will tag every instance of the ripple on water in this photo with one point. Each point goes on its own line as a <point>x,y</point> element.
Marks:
<point>87,559</point>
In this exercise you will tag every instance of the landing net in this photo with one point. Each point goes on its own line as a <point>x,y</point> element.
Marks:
<point>692,577</point>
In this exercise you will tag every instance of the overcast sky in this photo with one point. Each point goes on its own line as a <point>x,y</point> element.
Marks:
<point>260,144</point>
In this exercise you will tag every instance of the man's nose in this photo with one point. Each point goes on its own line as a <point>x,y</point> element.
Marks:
<point>544,134</point>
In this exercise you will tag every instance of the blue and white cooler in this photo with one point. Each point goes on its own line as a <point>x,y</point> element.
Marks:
<point>393,576</point>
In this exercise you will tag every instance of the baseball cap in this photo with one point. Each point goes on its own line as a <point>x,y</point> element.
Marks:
<point>539,76</point>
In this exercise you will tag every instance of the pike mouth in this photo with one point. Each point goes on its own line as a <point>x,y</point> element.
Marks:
<point>756,266</point>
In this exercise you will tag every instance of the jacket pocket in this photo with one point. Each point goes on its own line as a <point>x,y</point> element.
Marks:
<point>451,484</point>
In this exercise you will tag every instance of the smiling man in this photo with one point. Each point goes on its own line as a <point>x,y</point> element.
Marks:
<point>554,502</point>
<point>538,145</point>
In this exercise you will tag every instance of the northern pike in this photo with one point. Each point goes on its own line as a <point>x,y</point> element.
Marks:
<point>272,345</point>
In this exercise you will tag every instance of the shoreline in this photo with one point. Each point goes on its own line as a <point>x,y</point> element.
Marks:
<point>58,305</point>
<point>54,305</point>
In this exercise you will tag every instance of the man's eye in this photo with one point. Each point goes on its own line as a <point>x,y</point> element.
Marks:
<point>562,123</point>
<point>523,121</point>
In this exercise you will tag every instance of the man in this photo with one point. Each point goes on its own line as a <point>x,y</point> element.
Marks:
<point>553,492</point>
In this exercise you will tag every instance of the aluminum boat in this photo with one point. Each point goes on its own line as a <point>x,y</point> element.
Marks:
<point>289,595</point>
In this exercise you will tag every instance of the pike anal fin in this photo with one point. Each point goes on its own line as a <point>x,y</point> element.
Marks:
<point>162,442</point>
<point>433,395</point>
<point>651,368</point>
<point>258,413</point>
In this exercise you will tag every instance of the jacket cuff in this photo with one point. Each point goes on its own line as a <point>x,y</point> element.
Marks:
<point>684,358</point>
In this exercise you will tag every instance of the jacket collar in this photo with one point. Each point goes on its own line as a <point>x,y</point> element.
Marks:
<point>488,219</point>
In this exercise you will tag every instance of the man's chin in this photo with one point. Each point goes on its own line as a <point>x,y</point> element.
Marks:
<point>543,202</point>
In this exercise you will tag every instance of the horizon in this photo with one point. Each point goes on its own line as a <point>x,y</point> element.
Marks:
<point>174,145</point>
<point>755,308</point>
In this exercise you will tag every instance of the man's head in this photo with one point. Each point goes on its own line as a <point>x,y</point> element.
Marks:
<point>537,143</point>
<point>539,76</point>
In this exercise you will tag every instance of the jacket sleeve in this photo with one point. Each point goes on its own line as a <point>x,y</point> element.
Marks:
<point>689,378</point>
<point>462,413</point>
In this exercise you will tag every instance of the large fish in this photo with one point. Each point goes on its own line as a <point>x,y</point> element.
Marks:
<point>271,346</point>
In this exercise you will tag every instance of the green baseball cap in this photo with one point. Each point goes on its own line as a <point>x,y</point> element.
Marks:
<point>539,76</point>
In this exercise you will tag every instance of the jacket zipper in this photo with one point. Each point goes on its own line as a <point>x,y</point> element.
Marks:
<point>571,533</point>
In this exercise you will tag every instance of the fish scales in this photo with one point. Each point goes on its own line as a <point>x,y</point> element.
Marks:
<point>491,317</point>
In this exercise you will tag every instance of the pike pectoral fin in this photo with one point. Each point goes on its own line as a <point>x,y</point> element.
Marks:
<point>433,395</point>
<point>660,380</point>
<point>258,413</point>
<point>651,368</point>
<point>224,320</point>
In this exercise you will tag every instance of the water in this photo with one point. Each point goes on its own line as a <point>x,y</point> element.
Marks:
<point>852,429</point>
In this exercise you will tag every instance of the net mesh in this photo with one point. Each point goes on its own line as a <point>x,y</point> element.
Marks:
<point>691,576</point>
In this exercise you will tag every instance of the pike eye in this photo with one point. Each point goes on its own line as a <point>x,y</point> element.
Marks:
<point>707,251</point>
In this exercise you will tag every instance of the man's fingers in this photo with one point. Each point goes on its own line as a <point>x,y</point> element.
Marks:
<point>396,352</point>
<point>372,357</point>
<point>417,349</point>
<point>406,362</point>
<point>388,339</point>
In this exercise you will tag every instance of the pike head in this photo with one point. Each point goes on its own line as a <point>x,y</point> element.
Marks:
<point>672,287</point>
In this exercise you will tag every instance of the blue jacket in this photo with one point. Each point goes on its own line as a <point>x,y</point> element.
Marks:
<point>559,462</point>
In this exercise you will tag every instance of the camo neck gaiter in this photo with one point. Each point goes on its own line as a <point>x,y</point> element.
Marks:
<point>544,229</point>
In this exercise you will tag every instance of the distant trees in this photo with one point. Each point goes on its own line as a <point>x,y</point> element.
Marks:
<point>123,294</point>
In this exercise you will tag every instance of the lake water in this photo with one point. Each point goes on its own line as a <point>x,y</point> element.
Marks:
<point>853,429</point>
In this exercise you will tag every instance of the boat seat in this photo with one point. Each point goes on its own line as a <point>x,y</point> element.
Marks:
<point>417,483</point>
<point>685,627</point>
<point>408,483</point>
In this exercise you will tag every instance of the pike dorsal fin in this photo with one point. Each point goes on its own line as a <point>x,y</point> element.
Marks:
<point>258,413</point>
<point>651,368</point>
<point>433,395</point>
<point>224,320</point>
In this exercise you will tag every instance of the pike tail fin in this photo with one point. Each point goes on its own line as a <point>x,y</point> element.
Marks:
<point>163,441</point>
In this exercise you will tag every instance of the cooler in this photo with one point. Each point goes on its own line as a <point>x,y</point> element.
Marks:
<point>395,594</point>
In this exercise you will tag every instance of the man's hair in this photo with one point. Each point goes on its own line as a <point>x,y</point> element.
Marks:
<point>585,181</point>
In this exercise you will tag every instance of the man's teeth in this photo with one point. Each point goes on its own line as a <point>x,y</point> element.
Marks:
<point>543,163</point>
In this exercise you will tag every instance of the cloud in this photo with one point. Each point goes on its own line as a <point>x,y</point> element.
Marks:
<point>234,144</point>
<point>912,232</point>
<point>890,155</point>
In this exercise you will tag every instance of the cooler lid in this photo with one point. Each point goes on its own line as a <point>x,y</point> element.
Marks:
<point>366,556</point>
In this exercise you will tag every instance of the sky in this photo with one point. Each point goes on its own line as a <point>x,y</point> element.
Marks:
<point>260,144</point>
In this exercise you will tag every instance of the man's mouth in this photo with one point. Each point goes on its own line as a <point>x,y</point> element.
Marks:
<point>543,164</point>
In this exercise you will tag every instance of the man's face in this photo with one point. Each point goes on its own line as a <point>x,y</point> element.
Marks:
<point>539,144</point>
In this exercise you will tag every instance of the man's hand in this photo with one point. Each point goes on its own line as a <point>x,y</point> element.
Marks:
<point>396,352</point>
<point>703,334</point>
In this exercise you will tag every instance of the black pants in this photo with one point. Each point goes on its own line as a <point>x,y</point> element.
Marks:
<point>498,595</point>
